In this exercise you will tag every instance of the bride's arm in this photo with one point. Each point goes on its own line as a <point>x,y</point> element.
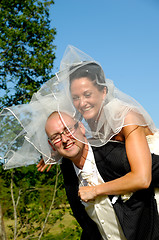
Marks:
<point>140,161</point>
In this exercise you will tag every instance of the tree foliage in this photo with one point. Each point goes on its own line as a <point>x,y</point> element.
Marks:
<point>29,199</point>
<point>34,194</point>
<point>26,49</point>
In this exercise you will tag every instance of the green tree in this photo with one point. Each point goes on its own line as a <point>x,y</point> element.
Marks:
<point>2,229</point>
<point>26,49</point>
<point>26,62</point>
<point>30,199</point>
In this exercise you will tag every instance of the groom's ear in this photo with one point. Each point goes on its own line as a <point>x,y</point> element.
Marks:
<point>53,148</point>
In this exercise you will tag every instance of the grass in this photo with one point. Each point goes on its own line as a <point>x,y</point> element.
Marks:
<point>61,229</point>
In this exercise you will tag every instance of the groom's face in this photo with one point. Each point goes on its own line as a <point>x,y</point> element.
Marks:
<point>64,139</point>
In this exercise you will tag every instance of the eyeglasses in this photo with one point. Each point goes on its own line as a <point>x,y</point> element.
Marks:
<point>68,132</point>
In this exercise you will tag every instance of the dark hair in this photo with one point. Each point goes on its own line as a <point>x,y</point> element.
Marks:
<point>92,71</point>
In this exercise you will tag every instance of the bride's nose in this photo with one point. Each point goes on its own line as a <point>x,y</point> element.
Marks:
<point>82,102</point>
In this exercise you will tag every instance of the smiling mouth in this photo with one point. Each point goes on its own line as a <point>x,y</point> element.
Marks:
<point>69,145</point>
<point>86,109</point>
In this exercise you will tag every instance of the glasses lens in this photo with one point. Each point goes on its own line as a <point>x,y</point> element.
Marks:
<point>71,129</point>
<point>56,139</point>
<point>67,132</point>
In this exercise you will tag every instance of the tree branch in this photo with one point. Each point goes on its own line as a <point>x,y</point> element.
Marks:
<point>52,203</point>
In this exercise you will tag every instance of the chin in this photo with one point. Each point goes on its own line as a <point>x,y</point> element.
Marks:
<point>71,153</point>
<point>89,115</point>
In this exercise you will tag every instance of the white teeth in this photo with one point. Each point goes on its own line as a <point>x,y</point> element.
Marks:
<point>86,109</point>
<point>68,146</point>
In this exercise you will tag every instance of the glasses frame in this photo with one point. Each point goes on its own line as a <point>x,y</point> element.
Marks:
<point>69,134</point>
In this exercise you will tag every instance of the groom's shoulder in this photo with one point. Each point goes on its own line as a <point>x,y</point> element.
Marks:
<point>110,146</point>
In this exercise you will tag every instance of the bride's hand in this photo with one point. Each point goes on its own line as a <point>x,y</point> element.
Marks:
<point>87,193</point>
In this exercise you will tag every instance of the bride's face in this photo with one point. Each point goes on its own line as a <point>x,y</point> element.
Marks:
<point>87,98</point>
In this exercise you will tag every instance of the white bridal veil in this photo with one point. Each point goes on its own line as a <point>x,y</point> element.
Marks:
<point>23,140</point>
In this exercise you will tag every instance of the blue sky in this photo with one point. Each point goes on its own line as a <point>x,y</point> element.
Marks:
<point>122,35</point>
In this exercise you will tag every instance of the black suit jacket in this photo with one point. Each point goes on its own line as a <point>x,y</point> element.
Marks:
<point>138,216</point>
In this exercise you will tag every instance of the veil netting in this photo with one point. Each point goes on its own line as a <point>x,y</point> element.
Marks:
<point>22,130</point>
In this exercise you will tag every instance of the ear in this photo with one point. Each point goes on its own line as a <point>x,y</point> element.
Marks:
<point>82,128</point>
<point>104,92</point>
<point>53,148</point>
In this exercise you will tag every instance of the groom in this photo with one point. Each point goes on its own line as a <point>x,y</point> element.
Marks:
<point>137,217</point>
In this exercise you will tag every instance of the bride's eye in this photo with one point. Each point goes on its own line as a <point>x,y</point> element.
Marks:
<point>75,98</point>
<point>88,94</point>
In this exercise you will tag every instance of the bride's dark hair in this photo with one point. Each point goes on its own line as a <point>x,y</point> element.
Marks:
<point>92,71</point>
